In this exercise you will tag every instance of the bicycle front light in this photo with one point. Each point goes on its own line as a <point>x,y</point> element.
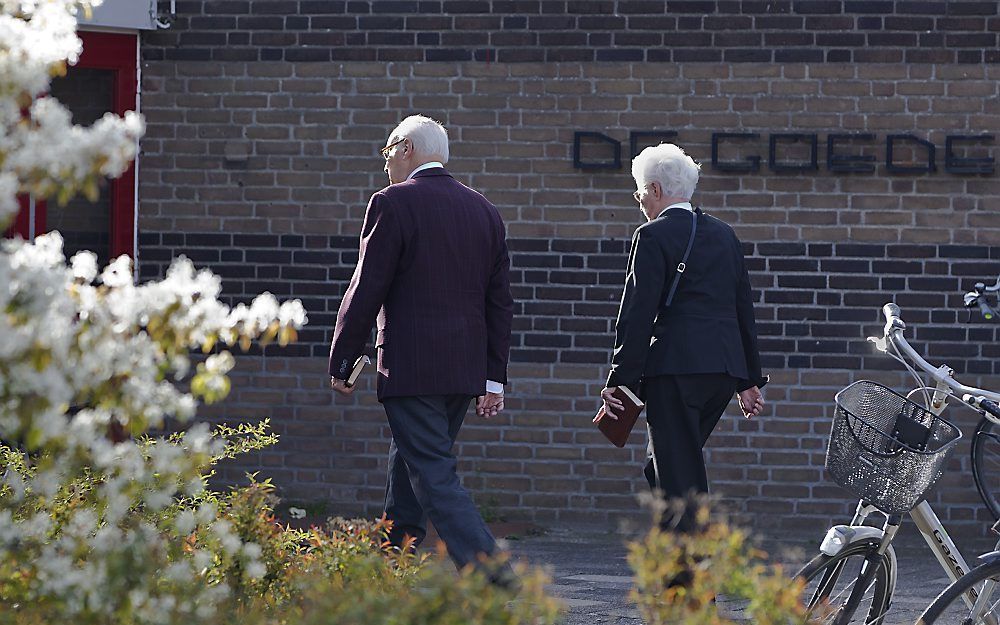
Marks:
<point>837,537</point>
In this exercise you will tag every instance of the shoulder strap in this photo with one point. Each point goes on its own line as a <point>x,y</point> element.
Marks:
<point>682,266</point>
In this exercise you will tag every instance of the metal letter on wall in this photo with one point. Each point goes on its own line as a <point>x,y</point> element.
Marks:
<point>848,162</point>
<point>750,163</point>
<point>615,162</point>
<point>640,135</point>
<point>772,160</point>
<point>890,165</point>
<point>956,165</point>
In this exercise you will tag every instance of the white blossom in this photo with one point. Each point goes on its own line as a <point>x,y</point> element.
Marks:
<point>292,313</point>
<point>256,570</point>
<point>201,559</point>
<point>252,550</point>
<point>206,513</point>
<point>223,531</point>
<point>220,363</point>
<point>185,522</point>
<point>84,266</point>
<point>118,273</point>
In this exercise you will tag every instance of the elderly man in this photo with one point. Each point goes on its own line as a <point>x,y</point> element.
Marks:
<point>685,332</point>
<point>433,268</point>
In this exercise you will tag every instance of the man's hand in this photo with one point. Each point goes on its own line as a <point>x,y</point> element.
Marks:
<point>751,402</point>
<point>612,404</point>
<point>489,405</point>
<point>341,387</point>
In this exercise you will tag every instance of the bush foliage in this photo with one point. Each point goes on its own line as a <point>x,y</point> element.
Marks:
<point>344,572</point>
<point>716,560</point>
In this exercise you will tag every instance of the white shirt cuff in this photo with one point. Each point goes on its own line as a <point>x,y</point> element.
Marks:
<point>494,387</point>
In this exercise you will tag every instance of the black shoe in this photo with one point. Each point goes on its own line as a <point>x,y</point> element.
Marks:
<point>504,578</point>
<point>682,579</point>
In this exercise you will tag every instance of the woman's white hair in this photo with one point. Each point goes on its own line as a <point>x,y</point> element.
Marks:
<point>668,165</point>
<point>429,137</point>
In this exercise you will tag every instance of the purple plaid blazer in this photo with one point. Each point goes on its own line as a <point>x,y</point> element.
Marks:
<point>434,270</point>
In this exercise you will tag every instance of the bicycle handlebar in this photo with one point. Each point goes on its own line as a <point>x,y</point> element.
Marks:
<point>894,327</point>
<point>891,312</point>
<point>977,297</point>
<point>990,407</point>
<point>984,309</point>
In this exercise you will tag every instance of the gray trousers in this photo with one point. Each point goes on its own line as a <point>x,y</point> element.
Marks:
<point>423,482</point>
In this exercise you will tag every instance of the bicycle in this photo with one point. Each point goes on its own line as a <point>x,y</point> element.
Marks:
<point>986,440</point>
<point>889,451</point>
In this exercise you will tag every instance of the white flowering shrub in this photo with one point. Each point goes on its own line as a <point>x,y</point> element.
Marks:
<point>91,528</point>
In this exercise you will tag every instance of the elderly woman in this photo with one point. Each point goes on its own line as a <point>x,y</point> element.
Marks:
<point>686,339</point>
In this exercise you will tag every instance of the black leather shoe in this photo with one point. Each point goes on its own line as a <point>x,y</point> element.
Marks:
<point>504,578</point>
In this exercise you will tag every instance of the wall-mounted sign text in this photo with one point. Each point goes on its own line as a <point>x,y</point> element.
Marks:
<point>799,152</point>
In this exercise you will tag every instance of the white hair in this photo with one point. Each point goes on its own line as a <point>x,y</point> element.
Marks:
<point>429,137</point>
<point>668,165</point>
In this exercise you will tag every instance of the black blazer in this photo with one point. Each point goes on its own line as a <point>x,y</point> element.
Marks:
<point>708,328</point>
<point>434,270</point>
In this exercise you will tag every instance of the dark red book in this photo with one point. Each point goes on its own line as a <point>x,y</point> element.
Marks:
<point>617,430</point>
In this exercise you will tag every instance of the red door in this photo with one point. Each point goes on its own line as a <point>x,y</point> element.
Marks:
<point>104,80</point>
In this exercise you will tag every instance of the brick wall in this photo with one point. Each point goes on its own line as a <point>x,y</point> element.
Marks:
<point>261,171</point>
<point>679,31</point>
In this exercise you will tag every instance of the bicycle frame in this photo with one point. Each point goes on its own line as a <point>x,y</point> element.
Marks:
<point>940,542</point>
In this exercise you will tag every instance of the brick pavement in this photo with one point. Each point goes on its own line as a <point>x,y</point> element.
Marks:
<point>590,573</point>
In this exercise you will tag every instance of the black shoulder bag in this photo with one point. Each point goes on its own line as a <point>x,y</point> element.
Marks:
<point>682,266</point>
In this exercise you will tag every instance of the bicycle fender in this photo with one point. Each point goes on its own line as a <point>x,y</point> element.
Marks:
<point>988,558</point>
<point>851,534</point>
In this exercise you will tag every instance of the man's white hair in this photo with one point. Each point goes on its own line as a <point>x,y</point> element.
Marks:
<point>429,137</point>
<point>668,165</point>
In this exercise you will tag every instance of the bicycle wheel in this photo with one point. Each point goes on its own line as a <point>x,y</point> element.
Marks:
<point>830,580</point>
<point>950,608</point>
<point>986,464</point>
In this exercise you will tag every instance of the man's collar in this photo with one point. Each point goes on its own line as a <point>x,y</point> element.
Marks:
<point>681,205</point>
<point>686,205</point>
<point>429,165</point>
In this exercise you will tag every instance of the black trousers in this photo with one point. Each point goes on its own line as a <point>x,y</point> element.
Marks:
<point>681,412</point>
<point>423,481</point>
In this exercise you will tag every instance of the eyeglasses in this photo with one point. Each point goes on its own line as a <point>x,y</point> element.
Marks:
<point>638,195</point>
<point>385,150</point>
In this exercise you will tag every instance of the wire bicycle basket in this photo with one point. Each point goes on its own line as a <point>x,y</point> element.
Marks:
<point>886,449</point>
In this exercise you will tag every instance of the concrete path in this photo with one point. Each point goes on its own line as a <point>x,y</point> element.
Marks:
<point>591,576</point>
